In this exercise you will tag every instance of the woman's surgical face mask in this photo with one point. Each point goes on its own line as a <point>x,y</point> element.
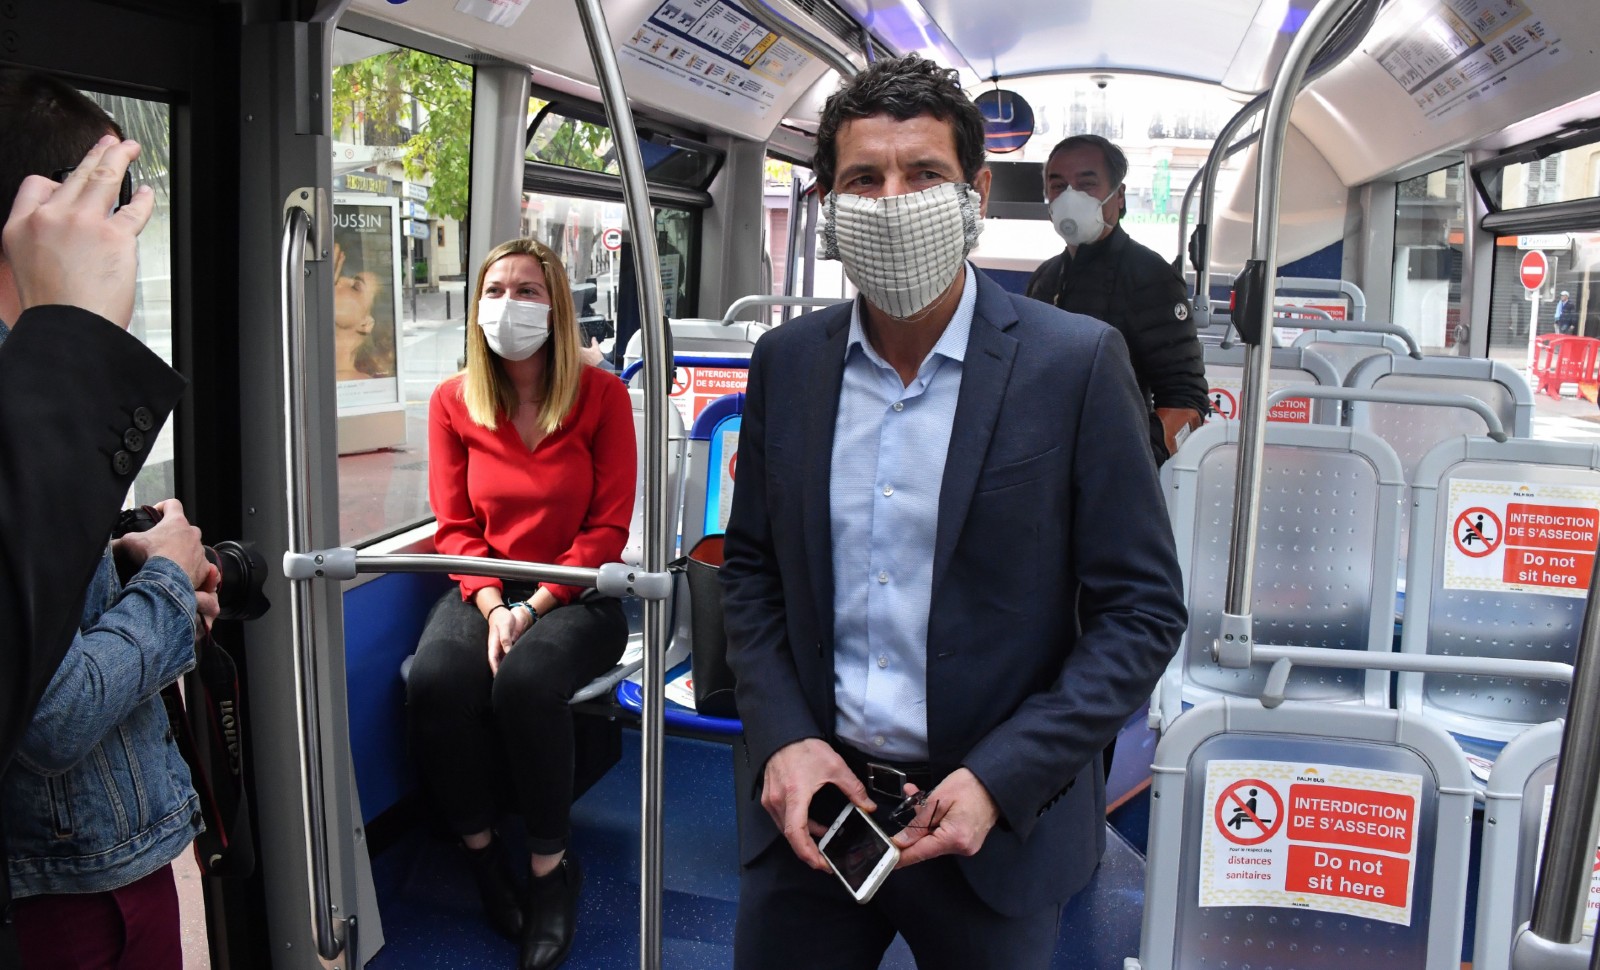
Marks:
<point>515,329</point>
<point>1079,217</point>
<point>902,251</point>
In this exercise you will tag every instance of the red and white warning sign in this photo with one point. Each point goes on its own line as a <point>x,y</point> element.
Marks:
<point>693,388</point>
<point>1591,908</point>
<point>1285,331</point>
<point>1320,837</point>
<point>1521,538</point>
<point>1225,395</point>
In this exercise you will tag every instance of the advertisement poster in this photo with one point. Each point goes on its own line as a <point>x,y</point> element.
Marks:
<point>1510,538</point>
<point>366,301</point>
<point>1310,836</point>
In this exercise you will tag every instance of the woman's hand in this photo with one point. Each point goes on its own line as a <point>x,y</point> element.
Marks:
<point>505,627</point>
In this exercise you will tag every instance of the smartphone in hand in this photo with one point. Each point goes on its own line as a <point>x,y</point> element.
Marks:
<point>859,853</point>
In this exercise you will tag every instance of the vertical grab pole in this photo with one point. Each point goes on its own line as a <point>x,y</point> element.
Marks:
<point>1562,894</point>
<point>296,229</point>
<point>653,324</point>
<point>1256,302</point>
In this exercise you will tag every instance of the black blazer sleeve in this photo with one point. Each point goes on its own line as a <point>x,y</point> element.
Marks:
<point>80,401</point>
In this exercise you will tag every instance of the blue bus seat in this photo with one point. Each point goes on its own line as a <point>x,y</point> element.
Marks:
<point>1515,808</point>
<point>1290,365</point>
<point>1459,600</point>
<point>1311,835</point>
<point>1326,558</point>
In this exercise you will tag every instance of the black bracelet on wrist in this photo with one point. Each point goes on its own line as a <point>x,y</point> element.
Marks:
<point>497,606</point>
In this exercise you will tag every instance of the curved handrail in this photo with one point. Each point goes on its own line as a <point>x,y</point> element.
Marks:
<point>760,299</point>
<point>1281,313</point>
<point>1413,349</point>
<point>296,392</point>
<point>1466,402</point>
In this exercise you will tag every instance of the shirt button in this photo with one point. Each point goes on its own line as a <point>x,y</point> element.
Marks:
<point>899,405</point>
<point>888,490</point>
<point>883,662</point>
<point>879,740</point>
<point>883,575</point>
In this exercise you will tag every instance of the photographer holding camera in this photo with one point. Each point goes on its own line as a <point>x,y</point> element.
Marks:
<point>96,800</point>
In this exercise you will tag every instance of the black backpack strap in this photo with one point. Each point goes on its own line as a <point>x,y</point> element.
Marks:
<point>226,848</point>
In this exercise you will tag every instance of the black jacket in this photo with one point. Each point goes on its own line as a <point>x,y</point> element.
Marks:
<point>1133,289</point>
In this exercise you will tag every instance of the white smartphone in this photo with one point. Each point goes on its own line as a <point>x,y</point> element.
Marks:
<point>859,853</point>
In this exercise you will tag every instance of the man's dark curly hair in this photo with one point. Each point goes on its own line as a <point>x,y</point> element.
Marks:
<point>903,88</point>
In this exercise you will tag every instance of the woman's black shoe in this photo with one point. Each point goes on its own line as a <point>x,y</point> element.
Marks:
<point>552,916</point>
<point>497,888</point>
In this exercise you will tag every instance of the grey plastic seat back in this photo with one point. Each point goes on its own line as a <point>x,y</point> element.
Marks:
<point>1412,430</point>
<point>1345,349</point>
<point>1488,576</point>
<point>1326,557</point>
<point>1516,806</point>
<point>633,554</point>
<point>1290,366</point>
<point>1253,858</point>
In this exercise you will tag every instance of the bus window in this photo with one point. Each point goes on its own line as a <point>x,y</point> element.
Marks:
<point>402,144</point>
<point>590,236</point>
<point>1429,219</point>
<point>150,124</point>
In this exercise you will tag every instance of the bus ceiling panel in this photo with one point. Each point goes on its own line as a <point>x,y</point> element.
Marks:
<point>1406,95</point>
<point>1311,207</point>
<point>725,73</point>
<point>1206,40</point>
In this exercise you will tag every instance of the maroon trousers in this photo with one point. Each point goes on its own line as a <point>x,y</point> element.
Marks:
<point>134,927</point>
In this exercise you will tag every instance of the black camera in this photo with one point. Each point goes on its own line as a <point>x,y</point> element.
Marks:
<point>244,571</point>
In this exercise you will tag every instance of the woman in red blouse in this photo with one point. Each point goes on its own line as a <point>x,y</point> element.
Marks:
<point>531,457</point>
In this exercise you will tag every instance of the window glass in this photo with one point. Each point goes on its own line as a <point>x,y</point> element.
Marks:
<point>822,278</point>
<point>150,124</point>
<point>1524,322</point>
<point>1561,176</point>
<point>593,241</point>
<point>1429,220</point>
<point>402,149</point>
<point>574,138</point>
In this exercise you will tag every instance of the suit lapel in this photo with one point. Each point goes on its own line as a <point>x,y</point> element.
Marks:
<point>984,374</point>
<point>822,411</point>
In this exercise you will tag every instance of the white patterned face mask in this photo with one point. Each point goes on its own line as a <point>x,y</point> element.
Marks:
<point>902,251</point>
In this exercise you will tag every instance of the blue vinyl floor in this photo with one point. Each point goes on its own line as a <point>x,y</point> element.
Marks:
<point>431,917</point>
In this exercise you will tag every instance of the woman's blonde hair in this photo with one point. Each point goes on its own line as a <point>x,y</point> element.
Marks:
<point>486,389</point>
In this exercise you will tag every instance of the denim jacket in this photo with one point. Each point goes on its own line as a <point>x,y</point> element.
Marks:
<point>98,795</point>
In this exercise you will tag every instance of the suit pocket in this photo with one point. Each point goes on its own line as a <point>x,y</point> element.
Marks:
<point>1017,472</point>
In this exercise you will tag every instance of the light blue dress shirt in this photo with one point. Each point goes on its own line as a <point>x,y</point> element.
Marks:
<point>889,447</point>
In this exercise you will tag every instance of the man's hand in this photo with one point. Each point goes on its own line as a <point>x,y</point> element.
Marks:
<point>793,777</point>
<point>954,820</point>
<point>66,246</point>
<point>591,353</point>
<point>1174,420</point>
<point>172,538</point>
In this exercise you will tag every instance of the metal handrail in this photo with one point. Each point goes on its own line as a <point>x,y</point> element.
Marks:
<point>1340,288</point>
<point>1319,24</point>
<point>1466,402</point>
<point>292,293</point>
<point>760,299</point>
<point>636,195</point>
<point>1280,313</point>
<point>1413,349</point>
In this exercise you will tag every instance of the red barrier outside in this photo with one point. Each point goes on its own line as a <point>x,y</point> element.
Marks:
<point>1563,359</point>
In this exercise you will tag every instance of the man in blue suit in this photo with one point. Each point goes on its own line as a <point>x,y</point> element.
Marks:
<point>948,572</point>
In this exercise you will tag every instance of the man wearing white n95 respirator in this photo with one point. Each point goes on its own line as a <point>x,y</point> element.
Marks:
<point>1104,274</point>
<point>948,576</point>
